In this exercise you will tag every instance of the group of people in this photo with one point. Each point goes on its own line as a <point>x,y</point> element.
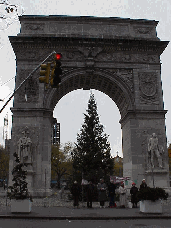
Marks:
<point>133,191</point>
<point>102,196</point>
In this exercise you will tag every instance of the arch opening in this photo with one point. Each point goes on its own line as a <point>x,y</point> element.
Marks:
<point>111,85</point>
<point>71,119</point>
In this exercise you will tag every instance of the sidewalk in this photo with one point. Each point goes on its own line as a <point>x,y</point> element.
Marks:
<point>60,209</point>
<point>63,213</point>
<point>83,213</point>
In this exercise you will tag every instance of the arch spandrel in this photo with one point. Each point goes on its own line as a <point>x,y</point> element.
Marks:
<point>112,84</point>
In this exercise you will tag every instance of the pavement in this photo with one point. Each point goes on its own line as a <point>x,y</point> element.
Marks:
<point>55,208</point>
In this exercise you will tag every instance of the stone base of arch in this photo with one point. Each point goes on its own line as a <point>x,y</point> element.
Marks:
<point>137,128</point>
<point>160,178</point>
<point>41,193</point>
<point>39,124</point>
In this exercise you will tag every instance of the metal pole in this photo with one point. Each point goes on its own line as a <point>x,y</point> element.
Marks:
<point>82,190</point>
<point>45,182</point>
<point>25,80</point>
<point>7,187</point>
<point>152,174</point>
<point>153,178</point>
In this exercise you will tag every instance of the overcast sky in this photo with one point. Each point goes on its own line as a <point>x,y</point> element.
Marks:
<point>69,110</point>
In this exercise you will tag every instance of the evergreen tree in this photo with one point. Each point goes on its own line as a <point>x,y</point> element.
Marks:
<point>92,154</point>
<point>19,189</point>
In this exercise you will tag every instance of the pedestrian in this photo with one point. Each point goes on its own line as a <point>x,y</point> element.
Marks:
<point>4,185</point>
<point>122,195</point>
<point>75,190</point>
<point>111,189</point>
<point>133,192</point>
<point>143,184</point>
<point>102,193</point>
<point>61,192</point>
<point>90,193</point>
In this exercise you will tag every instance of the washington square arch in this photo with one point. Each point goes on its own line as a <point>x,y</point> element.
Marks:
<point>119,57</point>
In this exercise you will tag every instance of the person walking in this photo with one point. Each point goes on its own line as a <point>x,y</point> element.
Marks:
<point>102,193</point>
<point>122,197</point>
<point>111,189</point>
<point>90,192</point>
<point>4,184</point>
<point>61,192</point>
<point>143,184</point>
<point>75,190</point>
<point>133,192</point>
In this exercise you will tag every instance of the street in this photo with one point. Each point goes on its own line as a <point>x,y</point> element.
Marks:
<point>38,223</point>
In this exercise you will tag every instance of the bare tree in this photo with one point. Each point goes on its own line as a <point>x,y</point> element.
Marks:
<point>9,13</point>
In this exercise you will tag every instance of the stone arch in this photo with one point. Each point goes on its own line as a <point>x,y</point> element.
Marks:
<point>110,84</point>
<point>119,57</point>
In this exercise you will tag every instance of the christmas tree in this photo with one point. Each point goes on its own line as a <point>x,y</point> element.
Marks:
<point>91,157</point>
<point>19,189</point>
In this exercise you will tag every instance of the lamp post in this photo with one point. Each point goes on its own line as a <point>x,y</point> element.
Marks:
<point>82,190</point>
<point>82,175</point>
<point>7,187</point>
<point>152,167</point>
<point>45,182</point>
<point>72,155</point>
<point>152,174</point>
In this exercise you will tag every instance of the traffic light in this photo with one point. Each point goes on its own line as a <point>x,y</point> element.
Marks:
<point>45,72</point>
<point>56,71</point>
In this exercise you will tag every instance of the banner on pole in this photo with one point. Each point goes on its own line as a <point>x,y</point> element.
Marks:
<point>119,179</point>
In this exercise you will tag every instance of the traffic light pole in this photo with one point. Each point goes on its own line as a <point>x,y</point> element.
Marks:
<point>25,81</point>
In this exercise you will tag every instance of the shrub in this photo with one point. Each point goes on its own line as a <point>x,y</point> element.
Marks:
<point>152,194</point>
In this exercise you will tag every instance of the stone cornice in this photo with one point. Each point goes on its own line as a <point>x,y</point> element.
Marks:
<point>157,171</point>
<point>85,19</point>
<point>70,42</point>
<point>143,114</point>
<point>40,112</point>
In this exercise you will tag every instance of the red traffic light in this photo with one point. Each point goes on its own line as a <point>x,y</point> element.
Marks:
<point>58,56</point>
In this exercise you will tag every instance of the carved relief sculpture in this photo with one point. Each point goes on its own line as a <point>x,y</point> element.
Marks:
<point>127,76</point>
<point>148,88</point>
<point>90,51</point>
<point>34,26</point>
<point>142,30</point>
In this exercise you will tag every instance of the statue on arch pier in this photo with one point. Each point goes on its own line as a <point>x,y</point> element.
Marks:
<point>25,148</point>
<point>154,150</point>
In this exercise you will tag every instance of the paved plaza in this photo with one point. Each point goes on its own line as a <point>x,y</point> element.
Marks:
<point>56,208</point>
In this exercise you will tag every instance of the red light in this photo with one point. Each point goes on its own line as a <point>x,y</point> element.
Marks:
<point>58,56</point>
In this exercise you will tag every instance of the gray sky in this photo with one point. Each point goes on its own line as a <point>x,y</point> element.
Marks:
<point>69,110</point>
